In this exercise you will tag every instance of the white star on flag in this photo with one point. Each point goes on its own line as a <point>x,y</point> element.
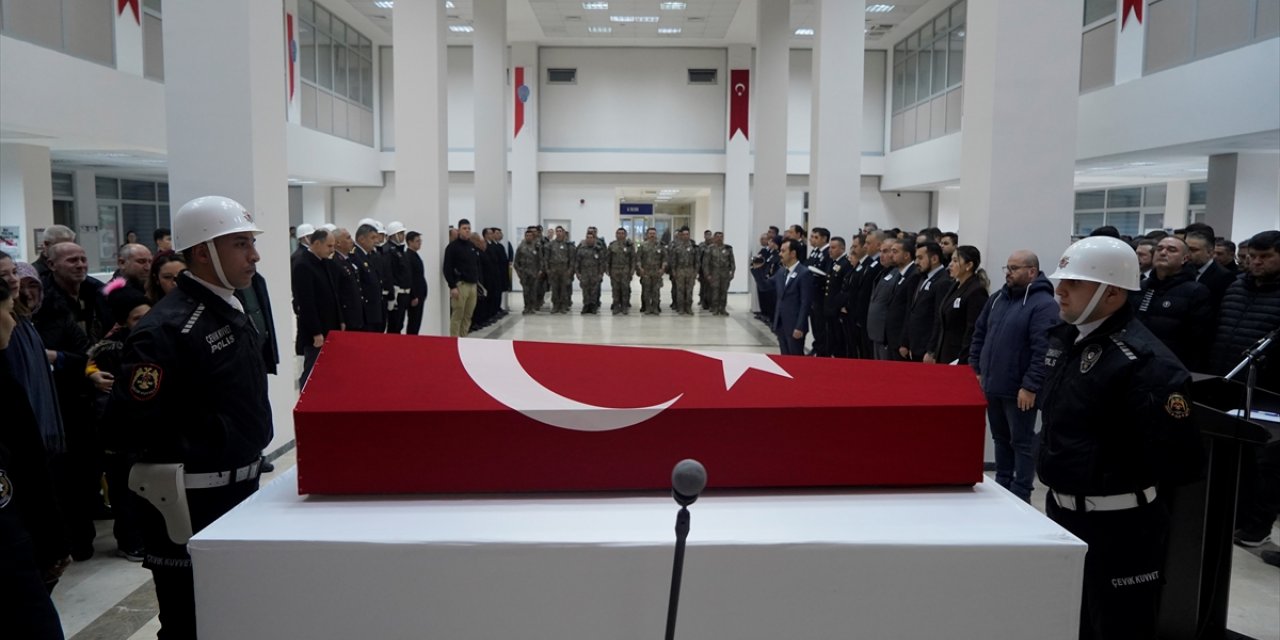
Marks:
<point>736,364</point>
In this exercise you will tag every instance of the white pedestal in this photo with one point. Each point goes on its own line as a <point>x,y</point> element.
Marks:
<point>954,563</point>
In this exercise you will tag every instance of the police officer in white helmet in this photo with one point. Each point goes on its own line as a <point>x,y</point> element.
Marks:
<point>192,407</point>
<point>1116,437</point>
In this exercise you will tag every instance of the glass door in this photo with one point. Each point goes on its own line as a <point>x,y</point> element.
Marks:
<point>108,236</point>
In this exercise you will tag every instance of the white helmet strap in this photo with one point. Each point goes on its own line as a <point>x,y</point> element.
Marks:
<point>1084,315</point>
<point>222,276</point>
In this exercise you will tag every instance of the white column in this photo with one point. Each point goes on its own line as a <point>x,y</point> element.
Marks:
<point>422,164</point>
<point>948,201</point>
<point>489,82</point>
<point>525,200</point>
<point>26,198</point>
<point>1018,153</point>
<point>835,156</point>
<point>769,89</point>
<point>226,135</point>
<point>1131,38</point>
<point>88,226</point>
<point>1177,196</point>
<point>739,229</point>
<point>1244,194</point>
<point>129,54</point>
<point>317,202</point>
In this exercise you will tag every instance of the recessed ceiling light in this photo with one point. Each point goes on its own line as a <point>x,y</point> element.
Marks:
<point>629,19</point>
<point>384,4</point>
<point>461,28</point>
<point>880,8</point>
<point>804,32</point>
<point>672,6</point>
<point>668,31</point>
<point>599,29</point>
<point>448,4</point>
<point>595,6</point>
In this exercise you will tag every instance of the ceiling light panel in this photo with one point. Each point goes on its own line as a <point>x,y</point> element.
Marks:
<point>668,31</point>
<point>461,28</point>
<point>880,8</point>
<point>630,19</point>
<point>804,32</point>
<point>595,6</point>
<point>599,29</point>
<point>672,6</point>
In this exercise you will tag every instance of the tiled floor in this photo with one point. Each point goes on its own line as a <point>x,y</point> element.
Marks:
<point>108,598</point>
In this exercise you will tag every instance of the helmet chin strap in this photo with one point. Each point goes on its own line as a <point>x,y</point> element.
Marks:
<point>1084,315</point>
<point>222,276</point>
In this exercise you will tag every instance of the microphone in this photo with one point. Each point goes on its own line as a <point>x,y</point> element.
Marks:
<point>688,479</point>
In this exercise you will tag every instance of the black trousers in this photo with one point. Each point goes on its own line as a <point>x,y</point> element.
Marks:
<point>789,345</point>
<point>836,347</point>
<point>1123,569</point>
<point>26,611</point>
<point>414,314</point>
<point>124,505</point>
<point>77,479</point>
<point>821,341</point>
<point>169,563</point>
<point>395,317</point>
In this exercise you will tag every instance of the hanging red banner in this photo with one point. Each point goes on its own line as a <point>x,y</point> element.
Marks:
<point>522,95</point>
<point>131,4</point>
<point>291,55</point>
<point>739,102</point>
<point>1136,6</point>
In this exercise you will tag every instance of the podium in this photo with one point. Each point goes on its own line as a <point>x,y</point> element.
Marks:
<point>1193,604</point>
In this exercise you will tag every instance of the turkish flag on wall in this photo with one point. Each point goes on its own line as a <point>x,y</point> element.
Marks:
<point>466,415</point>
<point>739,102</point>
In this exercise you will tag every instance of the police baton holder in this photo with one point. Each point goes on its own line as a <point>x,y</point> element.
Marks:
<point>164,486</point>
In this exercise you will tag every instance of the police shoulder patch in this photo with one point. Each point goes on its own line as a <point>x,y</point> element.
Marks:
<point>1177,406</point>
<point>145,382</point>
<point>6,490</point>
<point>1090,357</point>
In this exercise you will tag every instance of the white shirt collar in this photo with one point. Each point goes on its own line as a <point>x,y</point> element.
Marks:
<point>228,296</point>
<point>935,270</point>
<point>1201,270</point>
<point>1089,327</point>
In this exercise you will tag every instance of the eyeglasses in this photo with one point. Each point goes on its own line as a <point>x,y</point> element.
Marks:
<point>1015,269</point>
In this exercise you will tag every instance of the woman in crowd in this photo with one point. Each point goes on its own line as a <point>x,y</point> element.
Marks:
<point>958,314</point>
<point>164,275</point>
<point>28,359</point>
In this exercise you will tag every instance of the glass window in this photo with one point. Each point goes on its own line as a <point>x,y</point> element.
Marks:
<point>366,48</point>
<point>307,10</point>
<point>1126,222</point>
<point>137,190</point>
<point>339,69</point>
<point>942,23</point>
<point>366,82</point>
<point>1152,221</point>
<point>353,37</point>
<point>1095,10</point>
<point>322,20</point>
<point>1098,57</point>
<point>88,29</point>
<point>324,60</point>
<point>957,14</point>
<point>1087,222</point>
<point>162,192</point>
<point>913,42</point>
<point>353,76</point>
<point>307,51</point>
<point>1124,198</point>
<point>899,74</point>
<point>900,50</point>
<point>1199,193</point>
<point>924,66</point>
<point>339,33</point>
<point>140,219</point>
<point>108,188</point>
<point>926,34</point>
<point>152,47</point>
<point>939,66</point>
<point>62,185</point>
<point>955,59</point>
<point>153,5</point>
<point>909,86</point>
<point>1090,200</point>
<point>1154,196</point>
<point>1196,215</point>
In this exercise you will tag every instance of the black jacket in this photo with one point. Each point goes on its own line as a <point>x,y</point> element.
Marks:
<point>315,298</point>
<point>417,275</point>
<point>370,290</point>
<point>1250,309</point>
<point>1115,411</point>
<point>270,348</point>
<point>896,316</point>
<point>860,283</point>
<point>1217,279</point>
<point>957,316</point>
<point>1179,312</point>
<point>462,263</point>
<point>349,292</point>
<point>823,262</point>
<point>398,264</point>
<point>193,387</point>
<point>29,515</point>
<point>922,312</point>
<point>835,293</point>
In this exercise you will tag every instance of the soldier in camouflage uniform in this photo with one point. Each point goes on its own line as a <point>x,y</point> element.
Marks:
<point>621,267</point>
<point>719,266</point>
<point>651,258</point>
<point>529,268</point>
<point>704,284</point>
<point>682,262</point>
<point>557,262</point>
<point>589,263</point>
<point>544,285</point>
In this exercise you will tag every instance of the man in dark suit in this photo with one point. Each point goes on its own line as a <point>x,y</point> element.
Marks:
<point>819,264</point>
<point>865,275</point>
<point>1207,270</point>
<point>362,256</point>
<point>835,298</point>
<point>923,308</point>
<point>349,281</point>
<point>315,298</point>
<point>793,286</point>
<point>903,290</point>
<point>418,277</point>
<point>881,295</point>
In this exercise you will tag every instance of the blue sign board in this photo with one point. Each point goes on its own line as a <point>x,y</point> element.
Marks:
<point>638,209</point>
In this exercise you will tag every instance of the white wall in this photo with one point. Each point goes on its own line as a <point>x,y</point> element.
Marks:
<point>632,99</point>
<point>888,209</point>
<point>462,134</point>
<point>351,204</point>
<point>800,94</point>
<point>924,164</point>
<point>26,195</point>
<point>320,157</point>
<point>562,191</point>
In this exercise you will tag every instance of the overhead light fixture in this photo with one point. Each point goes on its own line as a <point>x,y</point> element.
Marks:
<point>595,6</point>
<point>599,29</point>
<point>630,19</point>
<point>384,4</point>
<point>804,32</point>
<point>672,6</point>
<point>668,31</point>
<point>461,28</point>
<point>1141,164</point>
<point>880,8</point>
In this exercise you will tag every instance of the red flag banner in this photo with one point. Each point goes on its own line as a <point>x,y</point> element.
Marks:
<point>1136,6</point>
<point>521,95</point>
<point>466,415</point>
<point>291,53</point>
<point>739,102</point>
<point>131,4</point>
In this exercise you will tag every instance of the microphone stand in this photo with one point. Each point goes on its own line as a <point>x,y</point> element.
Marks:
<point>677,570</point>
<point>1252,356</point>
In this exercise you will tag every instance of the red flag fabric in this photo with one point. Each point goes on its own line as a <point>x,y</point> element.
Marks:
<point>1136,6</point>
<point>739,102</point>
<point>291,51</point>
<point>464,415</point>
<point>131,4</point>
<point>519,102</point>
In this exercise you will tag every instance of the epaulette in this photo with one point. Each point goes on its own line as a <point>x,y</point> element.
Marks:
<point>195,316</point>
<point>1124,348</point>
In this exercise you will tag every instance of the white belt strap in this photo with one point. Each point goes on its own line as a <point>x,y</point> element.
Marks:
<point>221,478</point>
<point>1115,502</point>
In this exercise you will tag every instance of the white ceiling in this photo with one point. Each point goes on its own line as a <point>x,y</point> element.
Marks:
<point>701,22</point>
<point>663,194</point>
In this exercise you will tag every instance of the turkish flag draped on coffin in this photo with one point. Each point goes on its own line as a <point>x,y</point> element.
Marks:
<point>452,415</point>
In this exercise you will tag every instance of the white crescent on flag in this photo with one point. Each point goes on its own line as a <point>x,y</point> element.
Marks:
<point>739,89</point>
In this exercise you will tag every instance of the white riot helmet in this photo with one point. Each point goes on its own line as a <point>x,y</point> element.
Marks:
<point>206,218</point>
<point>377,226</point>
<point>329,227</point>
<point>304,230</point>
<point>1105,260</point>
<point>395,227</point>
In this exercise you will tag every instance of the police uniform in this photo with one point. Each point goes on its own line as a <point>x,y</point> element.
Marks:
<point>1115,435</point>
<point>375,319</point>
<point>193,390</point>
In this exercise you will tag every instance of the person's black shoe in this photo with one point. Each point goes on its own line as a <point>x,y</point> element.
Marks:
<point>132,555</point>
<point>1271,557</point>
<point>1252,539</point>
<point>266,466</point>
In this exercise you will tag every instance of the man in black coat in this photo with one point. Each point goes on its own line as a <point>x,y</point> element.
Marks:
<point>393,253</point>
<point>1175,307</point>
<point>496,269</point>
<point>900,300</point>
<point>922,310</point>
<point>835,298</point>
<point>865,275</point>
<point>363,256</point>
<point>1207,270</point>
<point>349,281</point>
<point>315,298</point>
<point>819,263</point>
<point>418,280</point>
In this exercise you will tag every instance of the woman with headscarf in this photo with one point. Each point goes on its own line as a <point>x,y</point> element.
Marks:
<point>27,358</point>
